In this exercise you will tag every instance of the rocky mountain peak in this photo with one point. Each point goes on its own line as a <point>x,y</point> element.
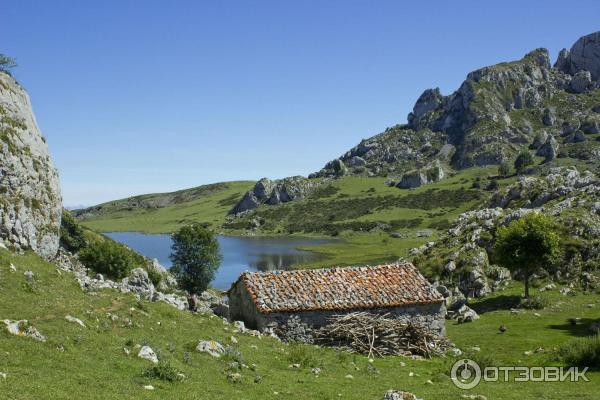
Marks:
<point>583,56</point>
<point>31,204</point>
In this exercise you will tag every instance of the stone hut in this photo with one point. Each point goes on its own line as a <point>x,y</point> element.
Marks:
<point>262,298</point>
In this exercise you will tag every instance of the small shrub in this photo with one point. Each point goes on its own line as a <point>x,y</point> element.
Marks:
<point>154,276</point>
<point>72,236</point>
<point>163,371</point>
<point>504,169</point>
<point>493,185</point>
<point>534,303</point>
<point>108,257</point>
<point>524,159</point>
<point>302,354</point>
<point>581,352</point>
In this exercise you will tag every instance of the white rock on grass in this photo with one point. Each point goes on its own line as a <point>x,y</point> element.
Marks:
<point>22,328</point>
<point>211,347</point>
<point>399,395</point>
<point>75,321</point>
<point>3,375</point>
<point>148,387</point>
<point>147,353</point>
<point>12,268</point>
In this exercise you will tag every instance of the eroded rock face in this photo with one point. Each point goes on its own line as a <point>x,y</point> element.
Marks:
<point>274,192</point>
<point>584,55</point>
<point>30,199</point>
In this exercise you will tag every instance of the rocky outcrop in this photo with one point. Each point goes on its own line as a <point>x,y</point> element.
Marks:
<point>275,192</point>
<point>567,194</point>
<point>414,179</point>
<point>493,113</point>
<point>583,56</point>
<point>30,199</point>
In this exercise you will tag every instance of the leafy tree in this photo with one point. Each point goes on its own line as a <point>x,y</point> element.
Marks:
<point>195,256</point>
<point>72,236</point>
<point>524,159</point>
<point>6,62</point>
<point>108,257</point>
<point>504,169</point>
<point>526,245</point>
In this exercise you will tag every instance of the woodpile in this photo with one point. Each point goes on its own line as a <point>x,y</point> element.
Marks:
<point>380,335</point>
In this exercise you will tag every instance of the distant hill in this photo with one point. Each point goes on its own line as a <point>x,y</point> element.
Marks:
<point>164,212</point>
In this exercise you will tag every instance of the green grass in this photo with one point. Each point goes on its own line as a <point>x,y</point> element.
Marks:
<point>90,362</point>
<point>148,214</point>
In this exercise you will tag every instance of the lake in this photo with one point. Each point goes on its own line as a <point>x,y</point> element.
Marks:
<point>240,253</point>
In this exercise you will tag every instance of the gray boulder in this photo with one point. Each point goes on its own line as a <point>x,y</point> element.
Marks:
<point>581,82</point>
<point>412,180</point>
<point>549,149</point>
<point>591,127</point>
<point>549,117</point>
<point>31,204</point>
<point>576,137</point>
<point>139,282</point>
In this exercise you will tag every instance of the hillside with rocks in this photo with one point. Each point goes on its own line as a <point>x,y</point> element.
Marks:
<point>462,259</point>
<point>495,112</point>
<point>30,201</point>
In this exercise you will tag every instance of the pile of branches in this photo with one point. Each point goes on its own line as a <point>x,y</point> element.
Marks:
<point>380,335</point>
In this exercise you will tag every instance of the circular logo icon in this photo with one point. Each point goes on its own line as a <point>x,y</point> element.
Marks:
<point>465,374</point>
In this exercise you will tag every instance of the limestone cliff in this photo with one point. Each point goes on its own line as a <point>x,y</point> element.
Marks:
<point>30,200</point>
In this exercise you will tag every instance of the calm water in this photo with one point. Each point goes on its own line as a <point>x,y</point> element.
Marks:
<point>239,253</point>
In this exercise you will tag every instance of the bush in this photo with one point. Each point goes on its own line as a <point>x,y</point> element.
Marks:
<point>154,276</point>
<point>492,185</point>
<point>583,352</point>
<point>109,258</point>
<point>524,159</point>
<point>72,236</point>
<point>164,371</point>
<point>504,169</point>
<point>534,303</point>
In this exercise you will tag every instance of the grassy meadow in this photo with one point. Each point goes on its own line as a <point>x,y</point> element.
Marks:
<point>91,362</point>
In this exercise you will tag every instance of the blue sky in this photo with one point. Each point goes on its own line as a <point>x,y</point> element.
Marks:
<point>152,96</point>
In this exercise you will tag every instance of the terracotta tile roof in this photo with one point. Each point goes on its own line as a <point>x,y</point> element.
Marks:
<point>339,288</point>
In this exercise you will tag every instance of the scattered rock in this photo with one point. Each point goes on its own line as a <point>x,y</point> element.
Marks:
<point>234,377</point>
<point>29,275</point>
<point>12,268</point>
<point>211,347</point>
<point>148,387</point>
<point>75,320</point>
<point>147,353</point>
<point>399,395</point>
<point>22,328</point>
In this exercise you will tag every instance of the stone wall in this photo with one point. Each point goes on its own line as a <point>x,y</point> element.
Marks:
<point>242,308</point>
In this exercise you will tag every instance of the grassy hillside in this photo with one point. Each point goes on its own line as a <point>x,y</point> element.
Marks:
<point>91,362</point>
<point>165,212</point>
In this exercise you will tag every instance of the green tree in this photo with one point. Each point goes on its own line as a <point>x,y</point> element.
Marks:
<point>195,256</point>
<point>504,169</point>
<point>524,159</point>
<point>526,245</point>
<point>6,62</point>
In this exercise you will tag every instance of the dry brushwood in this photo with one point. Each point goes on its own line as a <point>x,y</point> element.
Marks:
<point>380,335</point>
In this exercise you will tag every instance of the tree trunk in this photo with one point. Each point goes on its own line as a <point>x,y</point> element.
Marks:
<point>527,286</point>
